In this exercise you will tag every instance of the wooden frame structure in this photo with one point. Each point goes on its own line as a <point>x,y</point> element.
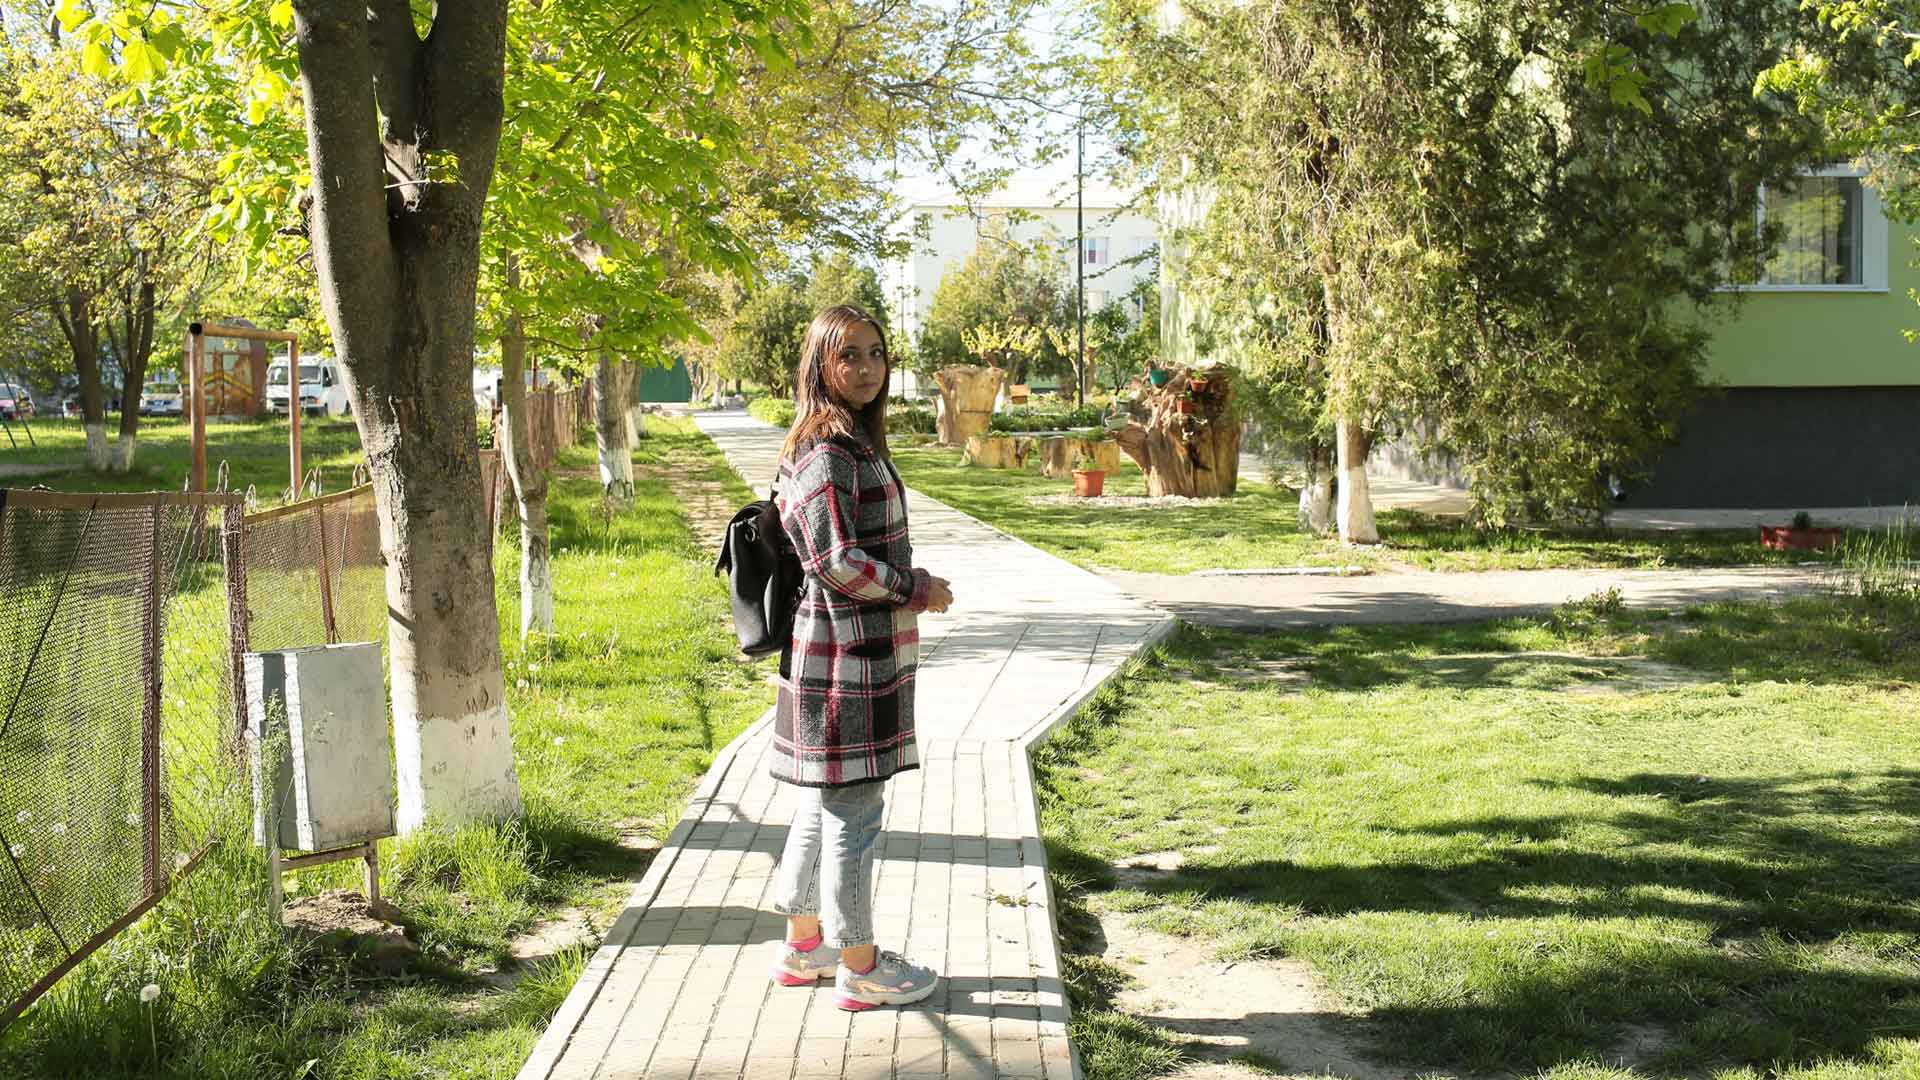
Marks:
<point>197,333</point>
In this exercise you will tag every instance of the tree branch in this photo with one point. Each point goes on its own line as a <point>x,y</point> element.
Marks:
<point>352,248</point>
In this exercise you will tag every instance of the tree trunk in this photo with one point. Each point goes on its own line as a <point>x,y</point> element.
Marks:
<point>529,482</point>
<point>134,357</point>
<point>967,394</point>
<point>75,316</point>
<point>610,433</point>
<point>636,417</point>
<point>1184,438</point>
<point>997,451</point>
<point>1355,510</point>
<point>397,256</point>
<point>1316,494</point>
<point>1057,455</point>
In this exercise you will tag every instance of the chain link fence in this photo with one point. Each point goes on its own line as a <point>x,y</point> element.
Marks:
<point>123,619</point>
<point>119,759</point>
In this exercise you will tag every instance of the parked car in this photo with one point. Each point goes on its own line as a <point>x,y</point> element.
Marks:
<point>323,391</point>
<point>162,395</point>
<point>15,402</point>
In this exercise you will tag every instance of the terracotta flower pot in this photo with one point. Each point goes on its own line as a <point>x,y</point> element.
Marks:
<point>1183,406</point>
<point>1089,483</point>
<point>1788,538</point>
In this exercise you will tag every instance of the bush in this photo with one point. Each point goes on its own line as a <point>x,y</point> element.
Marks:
<point>910,418</point>
<point>772,410</point>
<point>1048,419</point>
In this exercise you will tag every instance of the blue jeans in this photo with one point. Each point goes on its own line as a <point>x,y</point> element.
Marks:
<point>842,824</point>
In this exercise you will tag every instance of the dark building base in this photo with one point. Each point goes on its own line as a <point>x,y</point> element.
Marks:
<point>1767,448</point>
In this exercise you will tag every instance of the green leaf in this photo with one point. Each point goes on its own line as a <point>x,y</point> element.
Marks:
<point>71,14</point>
<point>1667,19</point>
<point>142,62</point>
<point>281,15</point>
<point>95,61</point>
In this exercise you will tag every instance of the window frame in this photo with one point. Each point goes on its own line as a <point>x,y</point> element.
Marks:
<point>1872,244</point>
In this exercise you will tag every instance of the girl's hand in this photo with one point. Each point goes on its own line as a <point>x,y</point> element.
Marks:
<point>940,595</point>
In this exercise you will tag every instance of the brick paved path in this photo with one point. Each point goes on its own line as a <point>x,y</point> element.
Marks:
<point>680,989</point>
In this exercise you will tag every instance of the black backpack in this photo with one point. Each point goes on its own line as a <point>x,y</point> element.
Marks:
<point>763,577</point>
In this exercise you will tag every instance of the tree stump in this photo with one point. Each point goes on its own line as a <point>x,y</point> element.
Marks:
<point>1184,435</point>
<point>966,399</point>
<point>1057,454</point>
<point>997,451</point>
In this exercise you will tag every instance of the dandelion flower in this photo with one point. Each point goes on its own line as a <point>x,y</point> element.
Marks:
<point>149,993</point>
<point>16,850</point>
<point>133,819</point>
<point>533,667</point>
<point>23,817</point>
<point>559,740</point>
<point>520,684</point>
<point>58,828</point>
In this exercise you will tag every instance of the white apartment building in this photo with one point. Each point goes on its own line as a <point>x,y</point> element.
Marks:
<point>946,230</point>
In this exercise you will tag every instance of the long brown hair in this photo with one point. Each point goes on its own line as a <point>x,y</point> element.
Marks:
<point>819,413</point>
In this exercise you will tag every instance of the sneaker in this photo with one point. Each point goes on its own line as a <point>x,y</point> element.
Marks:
<point>893,981</point>
<point>798,968</point>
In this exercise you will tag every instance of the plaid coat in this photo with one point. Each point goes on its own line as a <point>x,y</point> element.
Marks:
<point>845,708</point>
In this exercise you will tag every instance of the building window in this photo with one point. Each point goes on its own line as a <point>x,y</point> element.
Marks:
<point>1823,218</point>
<point>1096,300</point>
<point>1099,251</point>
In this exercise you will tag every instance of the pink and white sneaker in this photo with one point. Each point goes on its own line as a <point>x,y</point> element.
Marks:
<point>893,981</point>
<point>804,967</point>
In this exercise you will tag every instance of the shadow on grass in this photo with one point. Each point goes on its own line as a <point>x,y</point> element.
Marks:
<point>1822,640</point>
<point>1814,951</point>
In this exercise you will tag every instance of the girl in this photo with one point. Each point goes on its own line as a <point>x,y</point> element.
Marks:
<point>844,720</point>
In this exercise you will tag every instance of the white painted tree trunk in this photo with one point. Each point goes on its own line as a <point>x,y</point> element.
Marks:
<point>1355,511</point>
<point>123,454</point>
<point>536,570</point>
<point>99,454</point>
<point>1316,503</point>
<point>610,435</point>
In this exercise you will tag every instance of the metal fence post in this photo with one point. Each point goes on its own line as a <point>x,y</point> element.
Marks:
<point>326,575</point>
<point>239,634</point>
<point>150,878</point>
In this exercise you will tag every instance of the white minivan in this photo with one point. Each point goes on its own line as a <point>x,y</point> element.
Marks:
<point>322,390</point>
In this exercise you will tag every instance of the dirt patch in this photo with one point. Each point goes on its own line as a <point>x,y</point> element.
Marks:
<point>542,941</point>
<point>1271,1012</point>
<point>1586,674</point>
<point>707,505</point>
<point>1125,502</point>
<point>343,920</point>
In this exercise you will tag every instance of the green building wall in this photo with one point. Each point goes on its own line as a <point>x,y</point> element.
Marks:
<point>1836,338</point>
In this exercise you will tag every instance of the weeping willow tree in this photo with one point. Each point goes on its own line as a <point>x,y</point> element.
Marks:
<point>1501,220</point>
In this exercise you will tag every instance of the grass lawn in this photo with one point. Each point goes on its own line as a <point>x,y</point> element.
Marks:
<point>615,716</point>
<point>1260,528</point>
<point>1502,844</point>
<point>255,452</point>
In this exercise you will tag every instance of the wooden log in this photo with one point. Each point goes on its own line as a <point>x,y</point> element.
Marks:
<point>1183,435</point>
<point>997,451</point>
<point>1057,454</point>
<point>967,393</point>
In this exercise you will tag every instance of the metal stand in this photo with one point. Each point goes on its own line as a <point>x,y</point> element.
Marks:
<point>279,862</point>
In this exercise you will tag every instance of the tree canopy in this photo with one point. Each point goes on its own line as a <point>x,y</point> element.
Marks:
<point>1410,211</point>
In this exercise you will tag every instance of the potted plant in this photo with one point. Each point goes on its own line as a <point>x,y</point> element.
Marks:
<point>1183,405</point>
<point>1802,535</point>
<point>1158,376</point>
<point>1089,480</point>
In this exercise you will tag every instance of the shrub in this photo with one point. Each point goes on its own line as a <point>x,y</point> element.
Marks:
<point>772,410</point>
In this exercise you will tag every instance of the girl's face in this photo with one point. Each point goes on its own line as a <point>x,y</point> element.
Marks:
<point>857,373</point>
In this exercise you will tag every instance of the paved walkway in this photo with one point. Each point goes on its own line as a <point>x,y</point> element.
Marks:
<point>1250,602</point>
<point>680,989</point>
